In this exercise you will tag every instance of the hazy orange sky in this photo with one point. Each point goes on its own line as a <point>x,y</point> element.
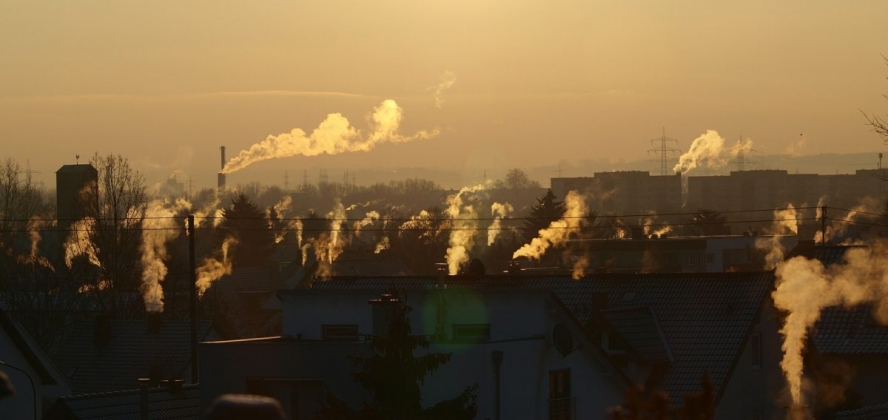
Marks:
<point>537,82</point>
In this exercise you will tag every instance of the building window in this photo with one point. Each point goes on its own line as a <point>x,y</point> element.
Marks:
<point>340,332</point>
<point>756,350</point>
<point>561,405</point>
<point>471,332</point>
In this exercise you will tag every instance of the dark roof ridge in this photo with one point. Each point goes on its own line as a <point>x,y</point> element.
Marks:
<point>125,392</point>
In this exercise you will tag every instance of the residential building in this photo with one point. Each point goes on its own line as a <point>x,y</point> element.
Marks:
<point>173,401</point>
<point>562,348</point>
<point>36,379</point>
<point>104,354</point>
<point>625,192</point>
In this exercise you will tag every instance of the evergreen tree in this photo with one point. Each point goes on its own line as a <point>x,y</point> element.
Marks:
<point>394,375</point>
<point>546,211</point>
<point>246,223</point>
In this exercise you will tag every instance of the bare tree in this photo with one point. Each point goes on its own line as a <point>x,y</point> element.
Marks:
<point>19,198</point>
<point>118,209</point>
<point>879,124</point>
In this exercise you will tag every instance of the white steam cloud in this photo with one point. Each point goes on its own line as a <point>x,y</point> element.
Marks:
<point>559,230</point>
<point>709,149</point>
<point>805,288</point>
<point>499,212</point>
<point>159,227</point>
<point>333,136</point>
<point>463,227</point>
<point>446,82</point>
<point>213,269</point>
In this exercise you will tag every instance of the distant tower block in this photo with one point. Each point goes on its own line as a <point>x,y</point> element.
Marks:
<point>76,186</point>
<point>665,154</point>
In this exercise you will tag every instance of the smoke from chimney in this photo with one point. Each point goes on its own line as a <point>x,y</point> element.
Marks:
<point>709,149</point>
<point>499,211</point>
<point>446,82</point>
<point>805,288</point>
<point>79,242</point>
<point>463,228</point>
<point>333,136</point>
<point>559,230</point>
<point>212,269</point>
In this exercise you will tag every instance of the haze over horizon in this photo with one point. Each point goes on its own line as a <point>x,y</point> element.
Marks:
<point>535,84</point>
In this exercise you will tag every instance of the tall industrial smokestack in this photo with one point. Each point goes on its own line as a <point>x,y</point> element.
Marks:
<point>221,180</point>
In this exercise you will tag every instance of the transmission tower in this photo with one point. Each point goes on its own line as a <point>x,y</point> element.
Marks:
<point>742,160</point>
<point>664,153</point>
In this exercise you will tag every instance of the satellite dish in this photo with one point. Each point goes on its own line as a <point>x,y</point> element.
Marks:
<point>563,340</point>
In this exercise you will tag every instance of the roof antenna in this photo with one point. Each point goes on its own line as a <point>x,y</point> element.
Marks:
<point>77,159</point>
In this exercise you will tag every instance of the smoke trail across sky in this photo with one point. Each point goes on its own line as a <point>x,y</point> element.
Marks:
<point>334,135</point>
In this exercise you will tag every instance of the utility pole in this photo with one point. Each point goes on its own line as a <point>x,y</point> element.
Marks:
<point>193,295</point>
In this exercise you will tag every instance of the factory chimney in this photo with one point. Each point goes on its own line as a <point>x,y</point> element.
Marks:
<point>221,181</point>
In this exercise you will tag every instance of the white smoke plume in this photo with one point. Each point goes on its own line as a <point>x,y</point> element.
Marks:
<point>159,226</point>
<point>79,242</point>
<point>34,258</point>
<point>446,82</point>
<point>579,267</point>
<point>463,228</point>
<point>333,136</point>
<point>499,212</point>
<point>805,288</point>
<point>786,220</point>
<point>383,245</point>
<point>706,148</point>
<point>559,230</point>
<point>212,269</point>
<point>335,244</point>
<point>297,224</point>
<point>368,220</point>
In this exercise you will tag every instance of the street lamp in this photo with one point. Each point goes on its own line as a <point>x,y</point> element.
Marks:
<point>33,388</point>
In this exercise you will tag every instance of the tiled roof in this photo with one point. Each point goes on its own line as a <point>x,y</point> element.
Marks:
<point>641,330</point>
<point>163,403</point>
<point>128,355</point>
<point>873,412</point>
<point>850,331</point>
<point>846,330</point>
<point>704,317</point>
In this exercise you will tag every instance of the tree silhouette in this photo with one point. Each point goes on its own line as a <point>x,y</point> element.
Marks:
<point>547,210</point>
<point>246,223</point>
<point>706,222</point>
<point>394,375</point>
<point>879,124</point>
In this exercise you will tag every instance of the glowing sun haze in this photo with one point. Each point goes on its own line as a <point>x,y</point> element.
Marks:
<point>167,82</point>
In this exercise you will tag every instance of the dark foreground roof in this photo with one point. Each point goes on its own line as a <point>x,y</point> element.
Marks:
<point>705,318</point>
<point>128,355</point>
<point>163,403</point>
<point>850,331</point>
<point>873,412</point>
